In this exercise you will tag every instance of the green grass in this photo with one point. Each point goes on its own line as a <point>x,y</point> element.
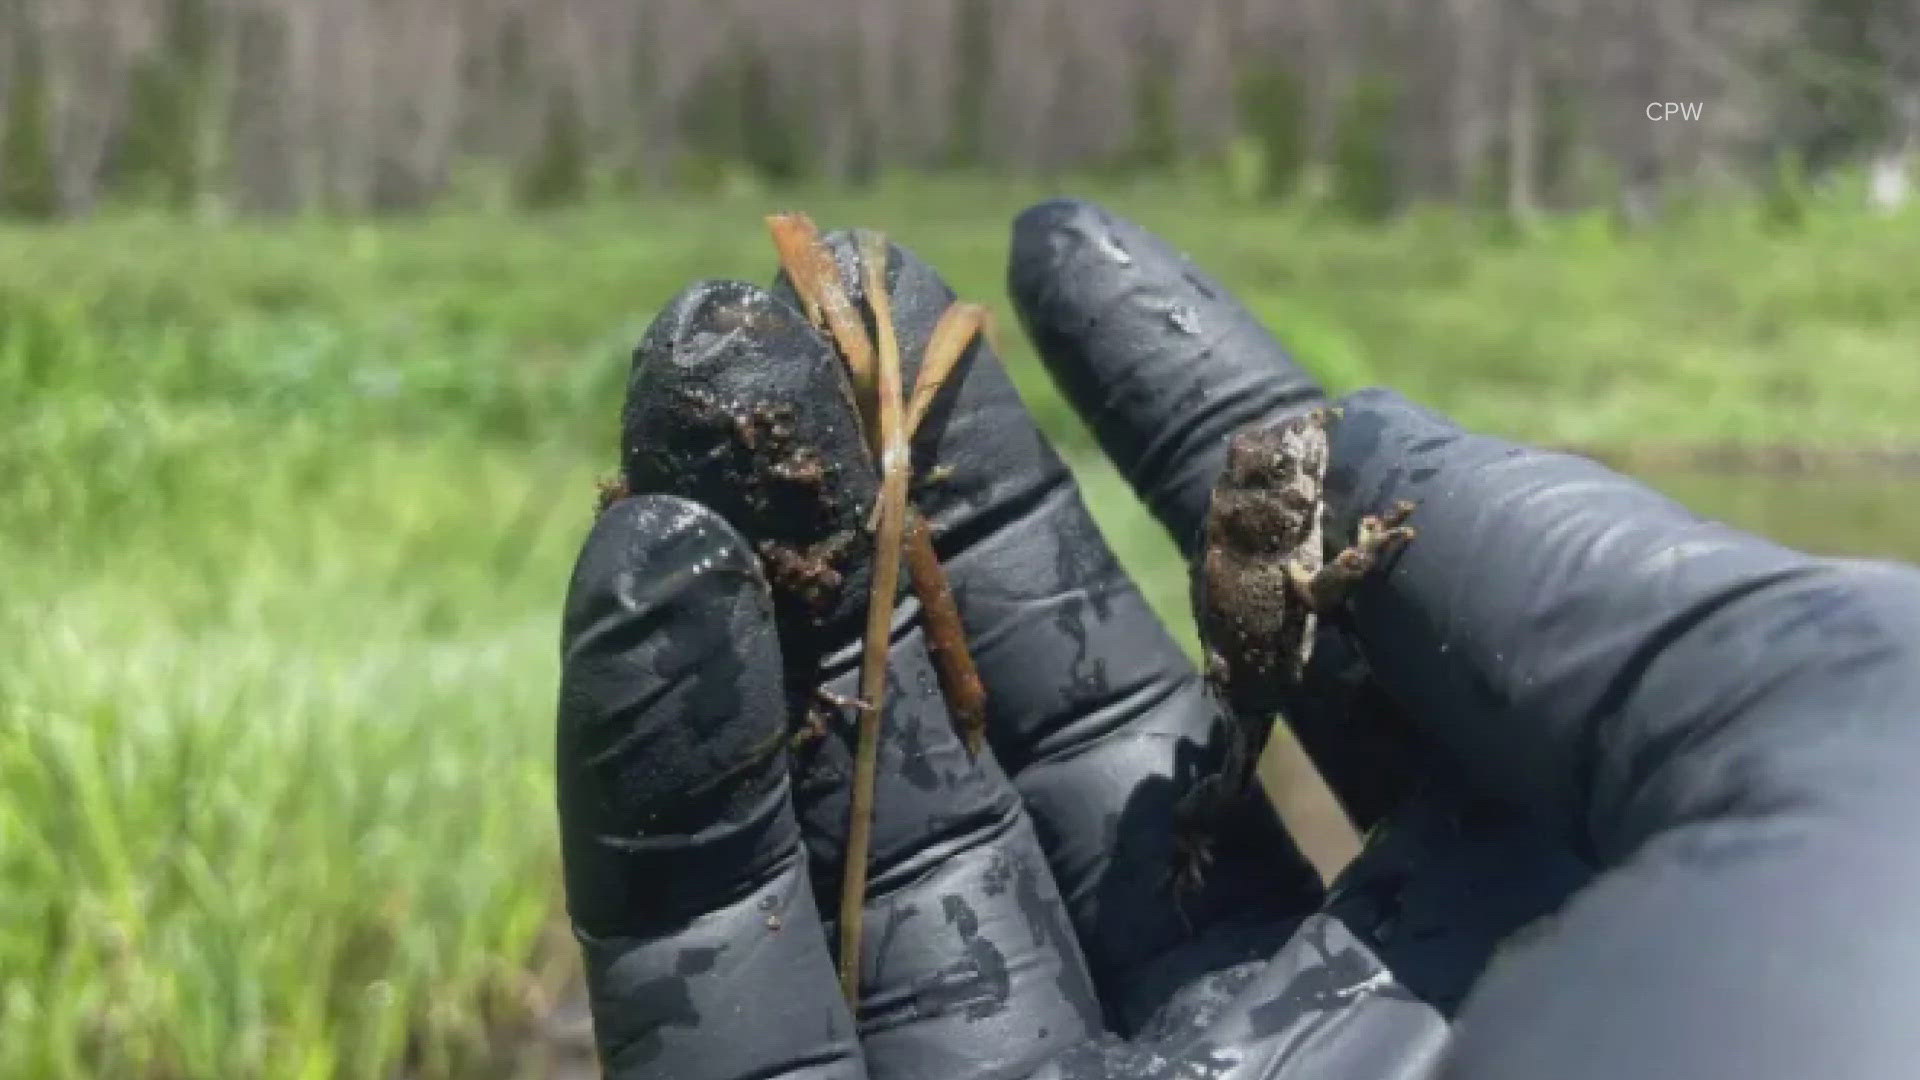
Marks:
<point>286,513</point>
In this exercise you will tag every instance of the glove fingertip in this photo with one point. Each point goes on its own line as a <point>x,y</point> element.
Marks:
<point>1161,361</point>
<point>670,748</point>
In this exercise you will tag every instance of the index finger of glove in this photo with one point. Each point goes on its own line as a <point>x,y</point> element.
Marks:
<point>1164,364</point>
<point>1160,360</point>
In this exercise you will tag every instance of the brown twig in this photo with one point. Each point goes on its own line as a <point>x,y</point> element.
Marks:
<point>946,638</point>
<point>810,267</point>
<point>891,444</point>
<point>957,328</point>
<point>889,425</point>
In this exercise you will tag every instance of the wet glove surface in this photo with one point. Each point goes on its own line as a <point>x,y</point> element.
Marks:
<point>1704,735</point>
<point>1719,733</point>
<point>1019,904</point>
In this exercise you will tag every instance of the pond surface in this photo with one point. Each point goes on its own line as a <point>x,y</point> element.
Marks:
<point>1853,513</point>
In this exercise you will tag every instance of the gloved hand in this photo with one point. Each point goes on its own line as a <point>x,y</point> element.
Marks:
<point>1711,738</point>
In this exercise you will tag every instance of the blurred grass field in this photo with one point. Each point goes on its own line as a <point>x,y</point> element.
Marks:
<point>286,513</point>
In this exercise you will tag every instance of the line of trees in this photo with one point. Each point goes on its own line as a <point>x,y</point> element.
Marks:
<point>380,105</point>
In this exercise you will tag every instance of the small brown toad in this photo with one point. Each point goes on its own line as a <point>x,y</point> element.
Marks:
<point>1260,587</point>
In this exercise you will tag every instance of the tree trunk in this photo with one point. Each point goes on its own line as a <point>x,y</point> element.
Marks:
<point>1523,133</point>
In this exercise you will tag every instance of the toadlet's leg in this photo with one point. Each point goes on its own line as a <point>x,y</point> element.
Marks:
<point>1378,538</point>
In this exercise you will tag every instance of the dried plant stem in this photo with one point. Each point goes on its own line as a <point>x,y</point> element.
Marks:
<point>891,444</point>
<point>816,279</point>
<point>957,328</point>
<point>946,638</point>
<point>873,368</point>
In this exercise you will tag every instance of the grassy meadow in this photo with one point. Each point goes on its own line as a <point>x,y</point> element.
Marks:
<point>287,510</point>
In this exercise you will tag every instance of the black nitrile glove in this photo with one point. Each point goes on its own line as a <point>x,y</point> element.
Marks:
<point>1715,740</point>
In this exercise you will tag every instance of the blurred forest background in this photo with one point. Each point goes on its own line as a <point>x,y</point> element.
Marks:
<point>314,323</point>
<point>383,105</point>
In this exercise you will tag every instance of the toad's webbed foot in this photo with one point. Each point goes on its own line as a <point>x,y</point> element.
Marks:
<point>1211,803</point>
<point>1198,817</point>
<point>1379,537</point>
<point>1192,858</point>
